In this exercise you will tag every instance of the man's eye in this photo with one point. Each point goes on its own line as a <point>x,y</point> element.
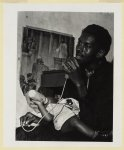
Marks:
<point>89,46</point>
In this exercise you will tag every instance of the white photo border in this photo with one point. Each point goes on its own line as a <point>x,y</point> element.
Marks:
<point>10,71</point>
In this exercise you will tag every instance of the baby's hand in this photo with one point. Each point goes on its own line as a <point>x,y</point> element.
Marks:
<point>37,102</point>
<point>36,96</point>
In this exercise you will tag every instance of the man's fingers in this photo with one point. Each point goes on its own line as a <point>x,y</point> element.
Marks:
<point>75,61</point>
<point>66,68</point>
<point>69,61</point>
<point>71,64</point>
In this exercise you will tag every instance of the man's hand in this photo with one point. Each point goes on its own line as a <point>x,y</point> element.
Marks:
<point>28,118</point>
<point>104,136</point>
<point>71,66</point>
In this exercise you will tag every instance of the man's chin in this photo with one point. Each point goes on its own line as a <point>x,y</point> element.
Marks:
<point>81,60</point>
<point>78,57</point>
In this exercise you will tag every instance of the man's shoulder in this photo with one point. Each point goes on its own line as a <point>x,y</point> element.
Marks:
<point>106,68</point>
<point>109,67</point>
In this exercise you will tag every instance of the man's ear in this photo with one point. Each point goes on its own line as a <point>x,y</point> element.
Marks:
<point>100,54</point>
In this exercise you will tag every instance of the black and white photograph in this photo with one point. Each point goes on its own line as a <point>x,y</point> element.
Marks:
<point>72,96</point>
<point>65,70</point>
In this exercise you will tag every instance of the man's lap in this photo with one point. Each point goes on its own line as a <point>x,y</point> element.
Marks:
<point>46,132</point>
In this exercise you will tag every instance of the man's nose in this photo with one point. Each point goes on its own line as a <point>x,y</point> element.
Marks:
<point>81,50</point>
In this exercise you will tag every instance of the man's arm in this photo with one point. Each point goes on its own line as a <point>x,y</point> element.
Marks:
<point>81,89</point>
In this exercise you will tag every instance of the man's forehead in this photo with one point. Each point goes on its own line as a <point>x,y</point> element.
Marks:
<point>87,37</point>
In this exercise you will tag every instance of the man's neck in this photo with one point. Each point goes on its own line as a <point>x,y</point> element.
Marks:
<point>94,65</point>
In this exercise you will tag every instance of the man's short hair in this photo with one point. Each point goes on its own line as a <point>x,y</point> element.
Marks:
<point>101,35</point>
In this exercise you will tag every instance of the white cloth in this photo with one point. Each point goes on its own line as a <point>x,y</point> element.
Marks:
<point>63,110</point>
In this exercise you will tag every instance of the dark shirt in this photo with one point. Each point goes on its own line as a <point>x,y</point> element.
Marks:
<point>96,110</point>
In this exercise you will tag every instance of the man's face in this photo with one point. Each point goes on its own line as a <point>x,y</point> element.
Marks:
<point>86,49</point>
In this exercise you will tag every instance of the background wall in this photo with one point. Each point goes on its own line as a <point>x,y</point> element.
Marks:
<point>65,22</point>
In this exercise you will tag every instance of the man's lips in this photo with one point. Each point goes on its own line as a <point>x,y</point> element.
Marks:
<point>79,56</point>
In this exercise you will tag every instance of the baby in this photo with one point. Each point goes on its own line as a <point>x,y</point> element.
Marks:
<point>63,112</point>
